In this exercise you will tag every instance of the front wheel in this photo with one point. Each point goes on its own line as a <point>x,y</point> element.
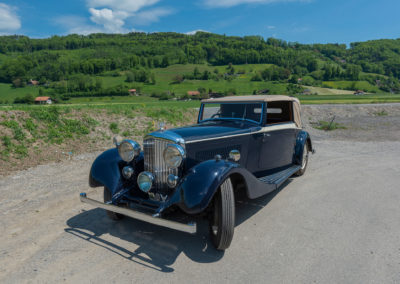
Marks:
<point>222,223</point>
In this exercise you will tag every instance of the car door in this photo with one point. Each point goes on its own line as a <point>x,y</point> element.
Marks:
<point>277,138</point>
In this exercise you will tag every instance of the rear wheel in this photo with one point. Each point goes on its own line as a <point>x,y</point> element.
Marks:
<point>112,215</point>
<point>222,223</point>
<point>304,161</point>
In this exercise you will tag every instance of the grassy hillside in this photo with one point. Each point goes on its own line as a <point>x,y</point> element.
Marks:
<point>239,84</point>
<point>168,65</point>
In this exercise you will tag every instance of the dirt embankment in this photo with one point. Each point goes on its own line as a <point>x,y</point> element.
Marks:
<point>40,136</point>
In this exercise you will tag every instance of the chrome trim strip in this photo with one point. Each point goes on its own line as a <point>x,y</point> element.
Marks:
<point>262,130</point>
<point>190,228</point>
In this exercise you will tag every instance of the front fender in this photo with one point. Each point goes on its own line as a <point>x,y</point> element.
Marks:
<point>302,138</point>
<point>197,188</point>
<point>106,172</point>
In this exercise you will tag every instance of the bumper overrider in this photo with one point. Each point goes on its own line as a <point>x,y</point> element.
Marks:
<point>190,228</point>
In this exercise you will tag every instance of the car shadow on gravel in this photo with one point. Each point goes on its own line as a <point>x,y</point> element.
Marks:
<point>157,247</point>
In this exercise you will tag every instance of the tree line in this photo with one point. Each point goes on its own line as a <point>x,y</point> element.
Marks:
<point>62,57</point>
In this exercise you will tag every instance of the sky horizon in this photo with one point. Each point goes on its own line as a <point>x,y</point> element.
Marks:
<point>303,21</point>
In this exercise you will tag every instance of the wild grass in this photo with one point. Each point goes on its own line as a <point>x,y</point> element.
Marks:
<point>381,113</point>
<point>328,125</point>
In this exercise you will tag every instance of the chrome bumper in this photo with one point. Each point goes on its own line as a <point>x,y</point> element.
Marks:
<point>187,228</point>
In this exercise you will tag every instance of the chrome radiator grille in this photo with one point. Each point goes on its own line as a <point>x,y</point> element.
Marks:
<point>154,161</point>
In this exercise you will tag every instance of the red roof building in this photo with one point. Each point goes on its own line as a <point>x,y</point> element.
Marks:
<point>33,82</point>
<point>193,93</point>
<point>43,100</point>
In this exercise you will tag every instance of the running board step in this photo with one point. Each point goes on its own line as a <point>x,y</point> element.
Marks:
<point>280,177</point>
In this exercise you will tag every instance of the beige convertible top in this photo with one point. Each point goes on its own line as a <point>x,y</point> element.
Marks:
<point>254,98</point>
<point>263,98</point>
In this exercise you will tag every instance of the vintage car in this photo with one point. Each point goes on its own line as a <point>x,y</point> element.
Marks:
<point>241,143</point>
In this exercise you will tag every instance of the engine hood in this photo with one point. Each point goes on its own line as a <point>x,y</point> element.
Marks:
<point>212,129</point>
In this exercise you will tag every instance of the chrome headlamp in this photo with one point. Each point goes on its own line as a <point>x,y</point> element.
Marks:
<point>128,150</point>
<point>174,155</point>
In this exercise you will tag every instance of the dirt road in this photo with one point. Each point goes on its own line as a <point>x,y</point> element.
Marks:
<point>337,224</point>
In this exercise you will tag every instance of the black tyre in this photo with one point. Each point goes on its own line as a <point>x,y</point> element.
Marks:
<point>304,161</point>
<point>112,215</point>
<point>222,223</point>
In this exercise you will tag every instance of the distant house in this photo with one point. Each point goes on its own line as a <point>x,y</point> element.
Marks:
<point>193,93</point>
<point>43,100</point>
<point>33,83</point>
<point>132,92</point>
<point>359,92</point>
<point>299,80</point>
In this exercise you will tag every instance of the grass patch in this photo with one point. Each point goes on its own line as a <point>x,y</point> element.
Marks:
<point>328,125</point>
<point>381,113</point>
<point>19,134</point>
<point>114,127</point>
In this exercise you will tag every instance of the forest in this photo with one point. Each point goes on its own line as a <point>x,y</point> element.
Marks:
<point>73,65</point>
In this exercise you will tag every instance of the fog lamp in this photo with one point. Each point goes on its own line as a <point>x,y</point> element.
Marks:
<point>172,180</point>
<point>145,181</point>
<point>127,172</point>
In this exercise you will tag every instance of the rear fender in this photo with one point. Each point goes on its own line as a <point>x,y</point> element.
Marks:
<point>302,138</point>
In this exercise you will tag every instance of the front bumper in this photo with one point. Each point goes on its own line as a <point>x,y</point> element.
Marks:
<point>190,228</point>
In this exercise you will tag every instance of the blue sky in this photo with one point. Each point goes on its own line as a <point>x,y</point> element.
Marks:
<point>305,21</point>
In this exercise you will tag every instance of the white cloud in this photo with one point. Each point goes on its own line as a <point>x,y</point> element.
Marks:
<point>230,3</point>
<point>121,5</point>
<point>195,32</point>
<point>271,27</point>
<point>111,21</point>
<point>114,16</point>
<point>9,20</point>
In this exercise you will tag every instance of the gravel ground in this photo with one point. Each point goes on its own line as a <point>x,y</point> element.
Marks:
<point>339,223</point>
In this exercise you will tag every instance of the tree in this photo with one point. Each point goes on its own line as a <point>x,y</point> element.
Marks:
<point>18,83</point>
<point>165,61</point>
<point>178,79</point>
<point>196,72</point>
<point>152,78</point>
<point>130,77</point>
<point>27,99</point>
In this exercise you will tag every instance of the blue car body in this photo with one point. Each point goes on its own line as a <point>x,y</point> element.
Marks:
<point>269,154</point>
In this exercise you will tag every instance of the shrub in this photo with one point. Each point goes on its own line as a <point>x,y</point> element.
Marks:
<point>328,126</point>
<point>114,127</point>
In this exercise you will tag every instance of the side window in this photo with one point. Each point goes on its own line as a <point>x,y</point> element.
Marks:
<point>279,112</point>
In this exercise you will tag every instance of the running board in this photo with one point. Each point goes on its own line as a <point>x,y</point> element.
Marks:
<point>279,178</point>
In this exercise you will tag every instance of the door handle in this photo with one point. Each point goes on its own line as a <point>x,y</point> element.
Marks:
<point>265,137</point>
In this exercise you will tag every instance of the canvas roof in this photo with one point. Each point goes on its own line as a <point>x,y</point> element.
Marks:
<point>263,98</point>
<point>253,98</point>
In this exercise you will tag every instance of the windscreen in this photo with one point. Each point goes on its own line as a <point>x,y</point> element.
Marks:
<point>235,111</point>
